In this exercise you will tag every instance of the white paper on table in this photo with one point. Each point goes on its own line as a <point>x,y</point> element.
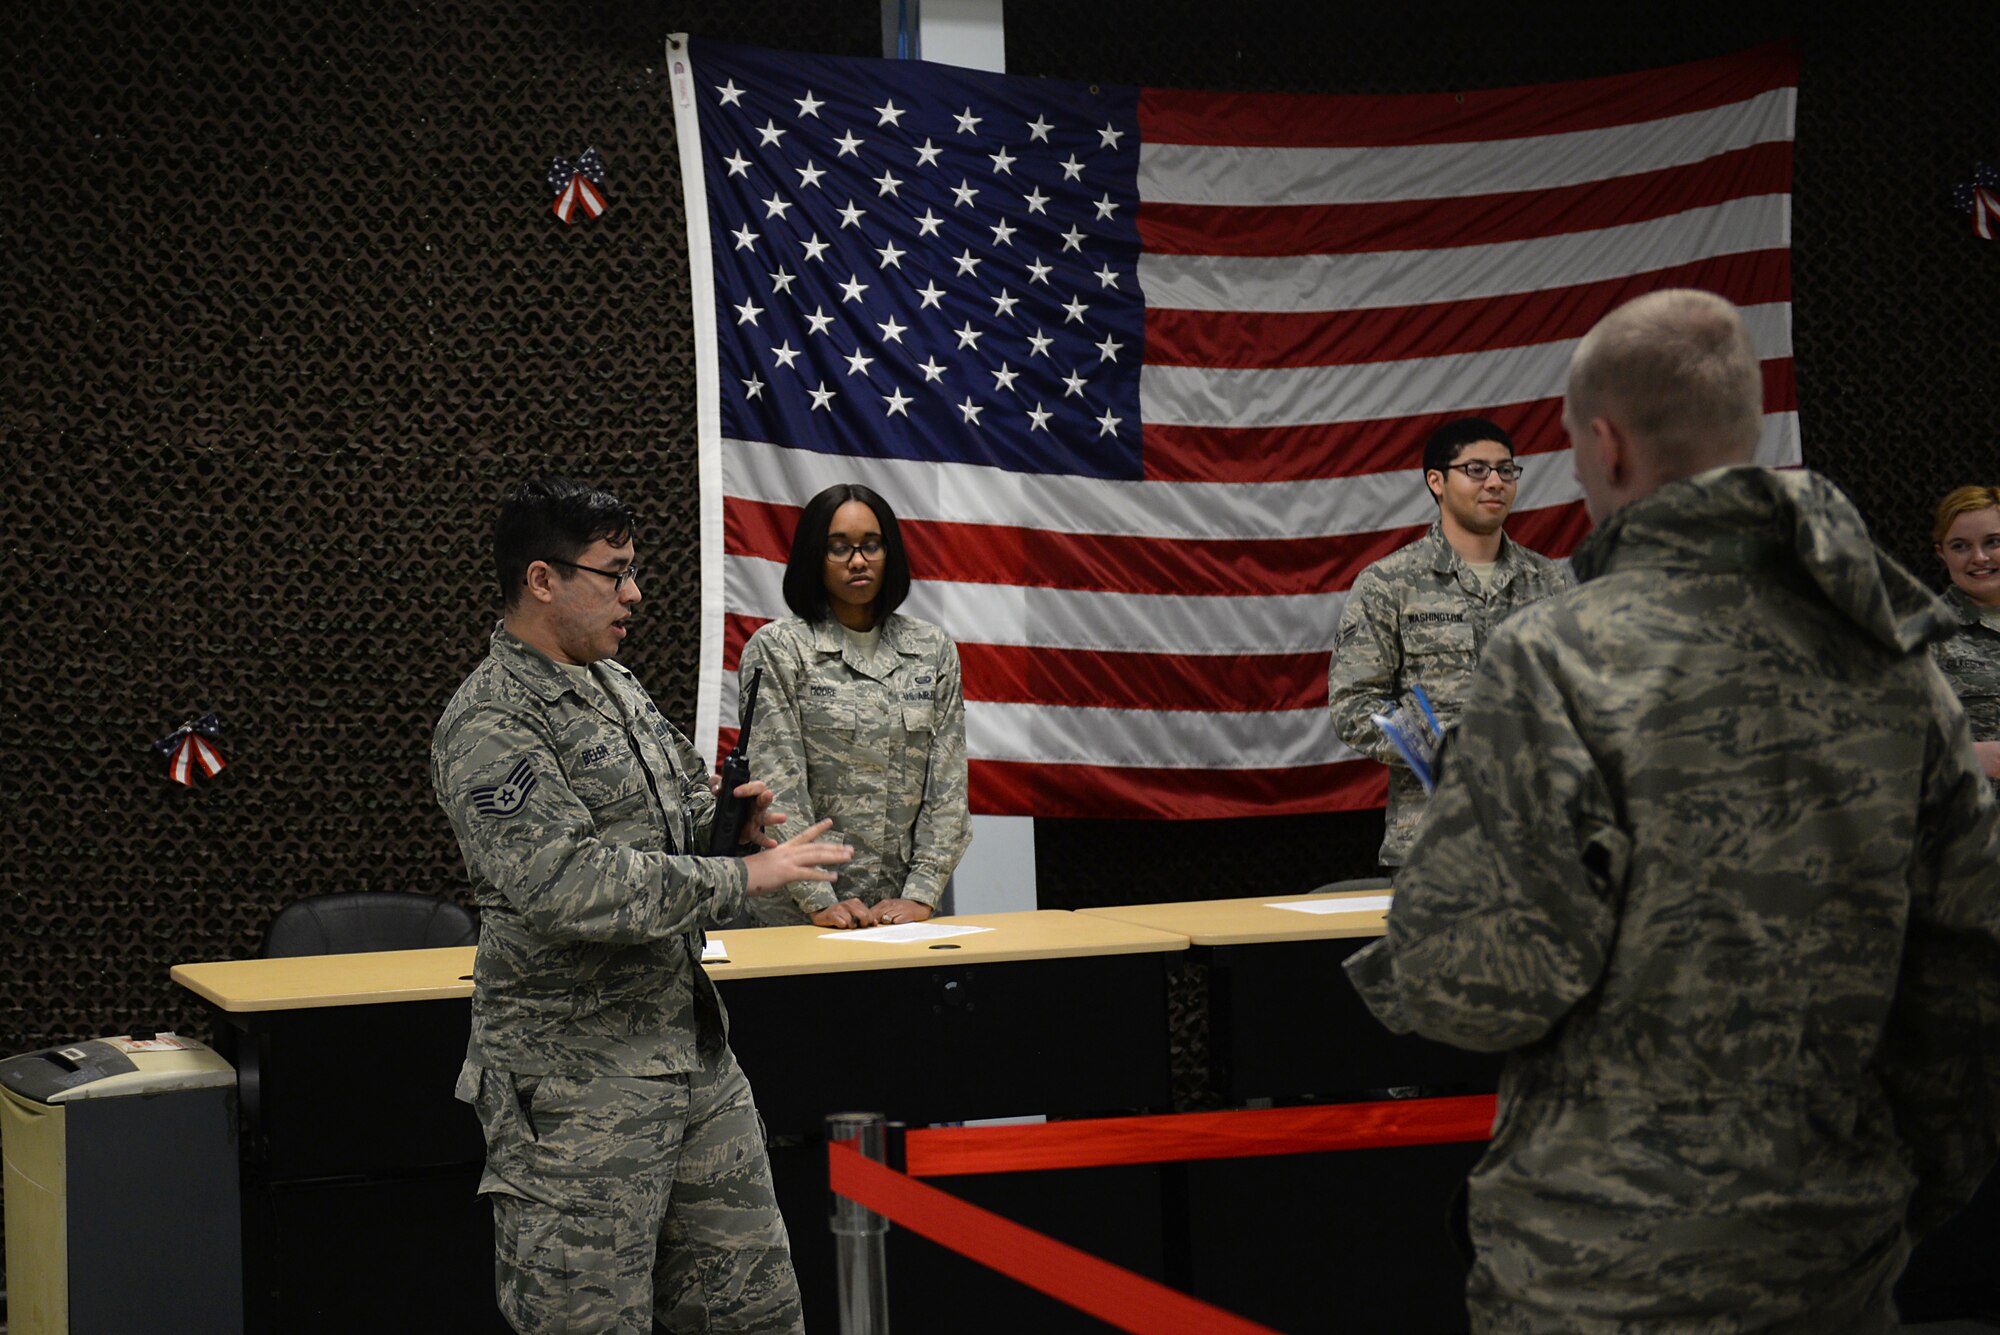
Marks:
<point>713,949</point>
<point>1356,904</point>
<point>905,931</point>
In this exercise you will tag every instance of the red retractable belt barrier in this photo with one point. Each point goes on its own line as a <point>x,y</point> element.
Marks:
<point>1111,1293</point>
<point>1102,1141</point>
<point>1108,1292</point>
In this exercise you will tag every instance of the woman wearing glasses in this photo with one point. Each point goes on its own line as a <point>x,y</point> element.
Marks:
<point>1966,538</point>
<point>860,719</point>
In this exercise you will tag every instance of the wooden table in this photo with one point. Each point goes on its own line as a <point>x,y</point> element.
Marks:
<point>1049,1012</point>
<point>359,1162</point>
<point>359,1167</point>
<point>1284,1021</point>
<point>313,982</point>
<point>1254,921</point>
<point>1046,1012</point>
<point>1285,1024</point>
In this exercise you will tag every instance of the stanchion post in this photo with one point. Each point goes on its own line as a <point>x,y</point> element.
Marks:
<point>860,1261</point>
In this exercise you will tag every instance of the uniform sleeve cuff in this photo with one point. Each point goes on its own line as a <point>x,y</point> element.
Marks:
<point>1373,973</point>
<point>815,899</point>
<point>923,890</point>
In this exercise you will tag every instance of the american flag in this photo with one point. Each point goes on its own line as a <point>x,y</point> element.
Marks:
<point>1147,373</point>
<point>1980,197</point>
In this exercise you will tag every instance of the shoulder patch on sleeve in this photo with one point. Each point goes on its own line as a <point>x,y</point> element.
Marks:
<point>507,797</point>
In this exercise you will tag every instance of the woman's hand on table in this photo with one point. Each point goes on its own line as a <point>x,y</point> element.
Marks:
<point>900,910</point>
<point>847,913</point>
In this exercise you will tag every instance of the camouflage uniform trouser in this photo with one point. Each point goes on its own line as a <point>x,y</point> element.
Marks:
<point>619,1201</point>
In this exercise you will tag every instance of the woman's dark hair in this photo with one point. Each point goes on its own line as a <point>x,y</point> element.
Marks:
<point>554,519</point>
<point>805,572</point>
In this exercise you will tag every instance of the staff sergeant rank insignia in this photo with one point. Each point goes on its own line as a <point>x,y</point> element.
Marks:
<point>507,797</point>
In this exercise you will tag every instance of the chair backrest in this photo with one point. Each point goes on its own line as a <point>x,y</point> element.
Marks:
<point>1359,883</point>
<point>367,920</point>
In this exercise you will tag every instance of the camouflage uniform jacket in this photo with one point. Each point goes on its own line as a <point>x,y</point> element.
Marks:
<point>1711,859</point>
<point>878,748</point>
<point>572,819</point>
<point>1971,663</point>
<point>1419,617</point>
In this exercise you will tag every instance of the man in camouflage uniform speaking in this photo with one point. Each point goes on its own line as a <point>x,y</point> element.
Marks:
<point>624,1157</point>
<point>1419,616</point>
<point>1712,861</point>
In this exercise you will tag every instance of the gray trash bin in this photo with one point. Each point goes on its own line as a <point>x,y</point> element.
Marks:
<point>119,1157</point>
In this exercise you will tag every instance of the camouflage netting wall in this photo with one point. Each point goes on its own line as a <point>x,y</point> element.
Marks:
<point>286,312</point>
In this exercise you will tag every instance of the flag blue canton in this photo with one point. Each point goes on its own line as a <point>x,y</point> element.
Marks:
<point>1983,177</point>
<point>916,266</point>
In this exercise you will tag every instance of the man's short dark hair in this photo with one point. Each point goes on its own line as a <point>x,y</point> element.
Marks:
<point>1449,441</point>
<point>805,572</point>
<point>553,519</point>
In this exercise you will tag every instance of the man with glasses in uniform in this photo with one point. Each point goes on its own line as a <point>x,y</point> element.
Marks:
<point>624,1157</point>
<point>1419,616</point>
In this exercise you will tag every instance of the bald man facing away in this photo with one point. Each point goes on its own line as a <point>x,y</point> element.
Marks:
<point>1713,862</point>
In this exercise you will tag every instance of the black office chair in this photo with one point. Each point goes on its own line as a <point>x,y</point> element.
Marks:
<point>368,920</point>
<point>344,925</point>
<point>1359,883</point>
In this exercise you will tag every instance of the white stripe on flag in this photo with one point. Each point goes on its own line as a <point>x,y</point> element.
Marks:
<point>1203,174</point>
<point>1372,280</point>
<point>1211,511</point>
<point>1083,618</point>
<point>1294,396</point>
<point>1149,738</point>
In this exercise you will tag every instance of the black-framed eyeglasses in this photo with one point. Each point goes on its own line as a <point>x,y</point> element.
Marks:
<point>839,549</point>
<point>1479,470</point>
<point>619,578</point>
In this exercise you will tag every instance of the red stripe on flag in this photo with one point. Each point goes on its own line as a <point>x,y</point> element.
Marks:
<point>1347,449</point>
<point>1281,120</point>
<point>1094,679</point>
<point>1469,220</point>
<point>737,628</point>
<point>1397,333</point>
<point>1553,530</point>
<point>1107,792</point>
<point>1098,562</point>
<point>1321,450</point>
<point>1091,679</point>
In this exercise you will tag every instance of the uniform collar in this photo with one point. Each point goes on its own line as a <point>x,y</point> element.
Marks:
<point>1968,611</point>
<point>829,637</point>
<point>534,669</point>
<point>1445,559</point>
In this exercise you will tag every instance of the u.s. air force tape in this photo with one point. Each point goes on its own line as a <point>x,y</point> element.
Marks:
<point>507,797</point>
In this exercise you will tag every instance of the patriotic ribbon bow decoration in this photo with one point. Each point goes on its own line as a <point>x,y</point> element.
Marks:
<point>578,185</point>
<point>190,745</point>
<point>1980,197</point>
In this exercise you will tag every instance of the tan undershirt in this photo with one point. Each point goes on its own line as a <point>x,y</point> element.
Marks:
<point>867,643</point>
<point>587,683</point>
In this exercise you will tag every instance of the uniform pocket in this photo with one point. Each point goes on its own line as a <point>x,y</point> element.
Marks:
<point>920,716</point>
<point>609,780</point>
<point>1438,639</point>
<point>832,712</point>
